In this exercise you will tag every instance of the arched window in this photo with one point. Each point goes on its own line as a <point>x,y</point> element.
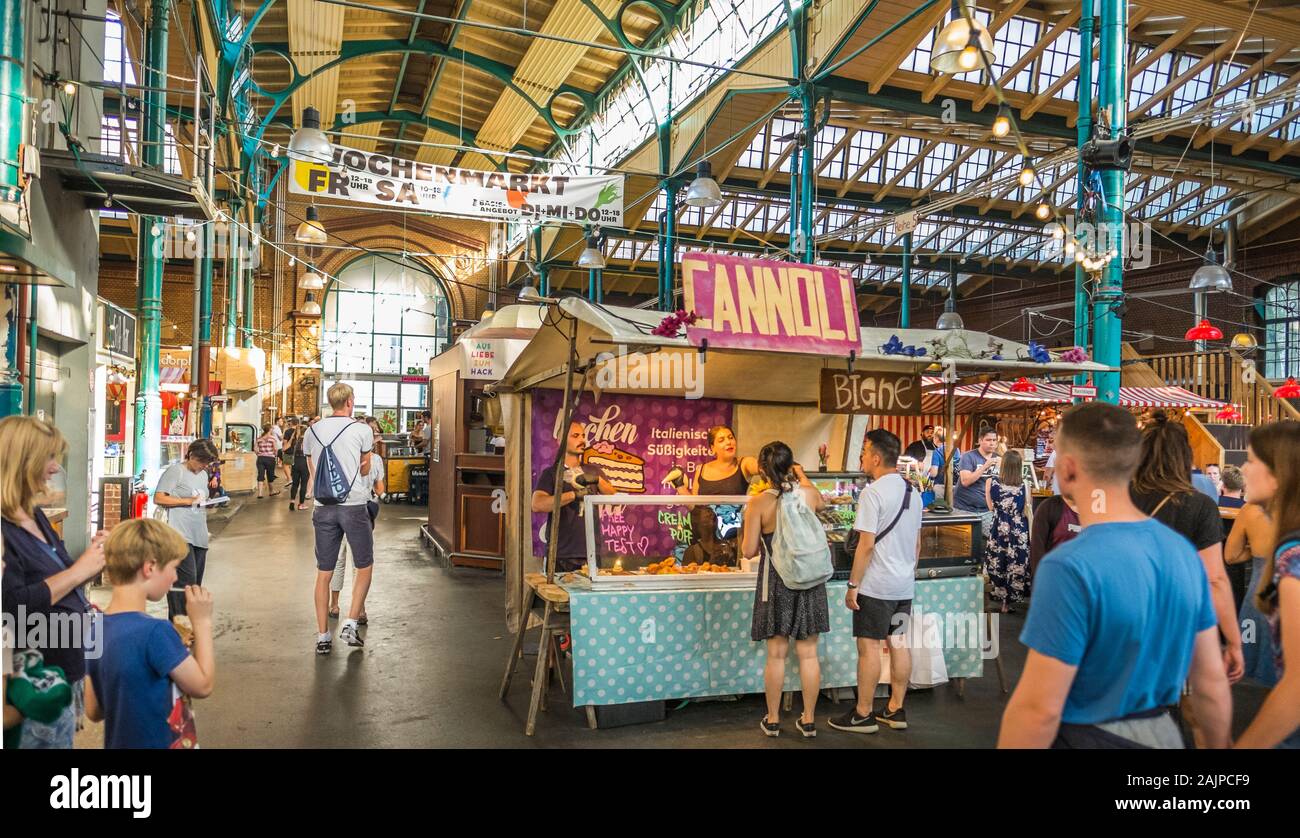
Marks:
<point>1282,330</point>
<point>384,318</point>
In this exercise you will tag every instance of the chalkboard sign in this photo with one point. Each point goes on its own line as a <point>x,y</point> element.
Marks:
<point>870,391</point>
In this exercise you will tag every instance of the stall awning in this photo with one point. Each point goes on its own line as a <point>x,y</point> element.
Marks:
<point>972,398</point>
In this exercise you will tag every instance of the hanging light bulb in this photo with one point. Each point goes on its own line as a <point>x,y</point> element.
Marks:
<point>311,281</point>
<point>310,307</point>
<point>958,47</point>
<point>293,260</point>
<point>1057,231</point>
<point>704,191</point>
<point>1027,174</point>
<point>155,230</point>
<point>69,87</point>
<point>1043,211</point>
<point>1070,247</point>
<point>189,236</point>
<point>309,144</point>
<point>591,258</point>
<point>1002,122</point>
<point>311,231</point>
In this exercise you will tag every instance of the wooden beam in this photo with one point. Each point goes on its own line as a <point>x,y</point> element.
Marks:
<point>1255,69</point>
<point>1283,213</point>
<point>1172,87</point>
<point>1136,16</point>
<point>902,173</point>
<point>922,25</point>
<point>885,145</point>
<point>1249,142</point>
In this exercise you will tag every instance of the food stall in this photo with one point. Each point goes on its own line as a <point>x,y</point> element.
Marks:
<point>466,471</point>
<point>646,625</point>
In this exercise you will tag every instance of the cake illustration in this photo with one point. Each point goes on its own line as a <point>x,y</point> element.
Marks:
<point>624,471</point>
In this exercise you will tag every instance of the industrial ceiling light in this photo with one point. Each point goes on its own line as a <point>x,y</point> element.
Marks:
<point>311,308</point>
<point>704,191</point>
<point>1002,123</point>
<point>309,144</point>
<point>591,258</point>
<point>957,49</point>
<point>1211,276</point>
<point>1205,330</point>
<point>950,320</point>
<point>1230,413</point>
<point>530,294</point>
<point>1289,390</point>
<point>1244,342</point>
<point>311,281</point>
<point>1024,385</point>
<point>311,231</point>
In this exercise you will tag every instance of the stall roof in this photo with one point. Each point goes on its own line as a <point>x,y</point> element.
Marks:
<point>739,375</point>
<point>973,397</point>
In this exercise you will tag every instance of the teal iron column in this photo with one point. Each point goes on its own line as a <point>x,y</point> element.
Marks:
<point>1114,99</point>
<point>543,274</point>
<point>148,406</point>
<point>13,42</point>
<point>803,168</point>
<point>232,295</point>
<point>250,275</point>
<point>205,329</point>
<point>668,227</point>
<point>905,302</point>
<point>1087,24</point>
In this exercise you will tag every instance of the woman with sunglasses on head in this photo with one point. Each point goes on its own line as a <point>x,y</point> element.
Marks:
<point>1272,474</point>
<point>725,474</point>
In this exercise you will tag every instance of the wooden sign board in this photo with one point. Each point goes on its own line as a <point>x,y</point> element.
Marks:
<point>870,392</point>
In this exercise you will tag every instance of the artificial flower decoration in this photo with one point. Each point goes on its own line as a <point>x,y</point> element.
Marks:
<point>1038,353</point>
<point>1289,390</point>
<point>894,346</point>
<point>1024,385</point>
<point>1205,330</point>
<point>1075,355</point>
<point>671,325</point>
<point>1230,413</point>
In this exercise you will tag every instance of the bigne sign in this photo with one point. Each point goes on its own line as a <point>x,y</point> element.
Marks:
<point>774,306</point>
<point>410,185</point>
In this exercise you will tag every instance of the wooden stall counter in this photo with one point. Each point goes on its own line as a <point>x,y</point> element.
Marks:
<point>480,511</point>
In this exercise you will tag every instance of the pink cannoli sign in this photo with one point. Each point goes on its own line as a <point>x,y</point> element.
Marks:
<point>774,306</point>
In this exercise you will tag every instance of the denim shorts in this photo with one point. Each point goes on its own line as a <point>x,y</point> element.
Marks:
<point>334,523</point>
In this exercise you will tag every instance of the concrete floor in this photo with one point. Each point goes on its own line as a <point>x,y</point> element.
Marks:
<point>432,664</point>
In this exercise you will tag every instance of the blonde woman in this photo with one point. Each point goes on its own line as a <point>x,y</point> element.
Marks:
<point>39,575</point>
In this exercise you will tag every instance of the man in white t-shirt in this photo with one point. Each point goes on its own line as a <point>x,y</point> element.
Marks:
<point>352,444</point>
<point>882,582</point>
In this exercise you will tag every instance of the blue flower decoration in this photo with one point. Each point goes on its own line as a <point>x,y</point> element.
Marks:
<point>894,346</point>
<point>1038,353</point>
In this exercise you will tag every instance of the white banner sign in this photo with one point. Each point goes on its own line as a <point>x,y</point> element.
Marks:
<point>410,185</point>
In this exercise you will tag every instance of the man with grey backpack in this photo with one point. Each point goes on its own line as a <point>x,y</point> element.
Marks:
<point>882,583</point>
<point>338,451</point>
<point>790,597</point>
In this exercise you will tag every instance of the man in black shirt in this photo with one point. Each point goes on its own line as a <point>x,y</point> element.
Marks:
<point>921,449</point>
<point>579,480</point>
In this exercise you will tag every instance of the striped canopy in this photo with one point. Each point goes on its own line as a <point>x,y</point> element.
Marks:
<point>972,398</point>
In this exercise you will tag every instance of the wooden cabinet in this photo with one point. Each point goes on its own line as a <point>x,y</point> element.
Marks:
<point>480,506</point>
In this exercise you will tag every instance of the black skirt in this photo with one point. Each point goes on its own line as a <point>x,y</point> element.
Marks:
<point>786,613</point>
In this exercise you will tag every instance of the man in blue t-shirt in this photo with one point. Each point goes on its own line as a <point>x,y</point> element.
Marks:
<point>1121,616</point>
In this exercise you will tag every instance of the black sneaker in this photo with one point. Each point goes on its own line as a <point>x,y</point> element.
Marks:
<point>808,729</point>
<point>769,728</point>
<point>324,647</point>
<point>851,722</point>
<point>292,508</point>
<point>896,719</point>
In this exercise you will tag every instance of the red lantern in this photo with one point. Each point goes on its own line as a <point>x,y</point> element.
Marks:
<point>1230,413</point>
<point>1204,330</point>
<point>1289,390</point>
<point>1024,385</point>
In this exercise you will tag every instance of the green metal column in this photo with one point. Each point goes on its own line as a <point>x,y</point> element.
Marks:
<point>905,301</point>
<point>1087,24</point>
<point>13,42</point>
<point>249,297</point>
<point>232,294</point>
<point>1113,98</point>
<point>31,350</point>
<point>803,166</point>
<point>543,277</point>
<point>595,291</point>
<point>205,328</point>
<point>668,227</point>
<point>148,405</point>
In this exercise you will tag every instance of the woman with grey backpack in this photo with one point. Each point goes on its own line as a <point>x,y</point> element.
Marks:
<point>790,598</point>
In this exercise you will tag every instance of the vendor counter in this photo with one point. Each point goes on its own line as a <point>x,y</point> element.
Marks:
<point>632,645</point>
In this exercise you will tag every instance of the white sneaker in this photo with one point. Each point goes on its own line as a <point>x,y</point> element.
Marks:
<point>350,636</point>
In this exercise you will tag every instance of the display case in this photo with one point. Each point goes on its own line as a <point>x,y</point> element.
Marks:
<point>839,491</point>
<point>649,542</point>
<point>952,544</point>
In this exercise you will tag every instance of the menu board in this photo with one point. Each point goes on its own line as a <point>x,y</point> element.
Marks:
<point>635,441</point>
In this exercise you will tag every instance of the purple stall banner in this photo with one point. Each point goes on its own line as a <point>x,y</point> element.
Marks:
<point>763,304</point>
<point>635,441</point>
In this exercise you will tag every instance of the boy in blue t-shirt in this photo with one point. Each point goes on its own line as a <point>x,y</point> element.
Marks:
<point>139,685</point>
<point>1121,616</point>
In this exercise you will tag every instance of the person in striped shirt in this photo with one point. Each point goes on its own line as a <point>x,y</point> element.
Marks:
<point>266,447</point>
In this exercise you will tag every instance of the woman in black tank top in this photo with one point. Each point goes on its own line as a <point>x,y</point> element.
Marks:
<point>725,474</point>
